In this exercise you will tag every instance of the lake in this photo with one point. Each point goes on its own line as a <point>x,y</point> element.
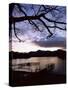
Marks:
<point>34,64</point>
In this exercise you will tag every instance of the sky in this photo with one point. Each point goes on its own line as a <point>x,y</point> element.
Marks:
<point>33,40</point>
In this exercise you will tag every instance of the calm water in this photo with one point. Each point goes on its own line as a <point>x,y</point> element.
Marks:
<point>39,63</point>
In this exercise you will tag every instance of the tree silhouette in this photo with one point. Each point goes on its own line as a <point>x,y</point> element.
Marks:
<point>40,17</point>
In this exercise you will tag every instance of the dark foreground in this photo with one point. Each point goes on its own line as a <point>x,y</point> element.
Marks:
<point>21,78</point>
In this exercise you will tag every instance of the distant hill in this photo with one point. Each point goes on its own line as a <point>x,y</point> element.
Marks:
<point>59,53</point>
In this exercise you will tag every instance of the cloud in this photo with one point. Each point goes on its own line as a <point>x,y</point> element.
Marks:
<point>54,42</point>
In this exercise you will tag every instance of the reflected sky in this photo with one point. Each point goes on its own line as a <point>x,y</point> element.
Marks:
<point>39,63</point>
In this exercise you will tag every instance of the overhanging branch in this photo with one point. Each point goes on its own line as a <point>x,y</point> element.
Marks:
<point>46,27</point>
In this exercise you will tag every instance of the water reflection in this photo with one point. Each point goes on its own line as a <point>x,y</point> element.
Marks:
<point>39,63</point>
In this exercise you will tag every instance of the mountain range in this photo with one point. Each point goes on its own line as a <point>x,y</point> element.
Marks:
<point>59,53</point>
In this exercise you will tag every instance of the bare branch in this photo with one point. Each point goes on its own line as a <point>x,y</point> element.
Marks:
<point>46,27</point>
<point>49,9</point>
<point>16,34</point>
<point>18,19</point>
<point>50,20</point>
<point>38,10</point>
<point>21,9</point>
<point>35,25</point>
<point>57,27</point>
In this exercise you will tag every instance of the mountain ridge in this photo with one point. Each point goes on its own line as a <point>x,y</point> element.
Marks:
<point>40,53</point>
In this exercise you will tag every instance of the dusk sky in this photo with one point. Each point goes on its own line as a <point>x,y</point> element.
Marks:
<point>33,40</point>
